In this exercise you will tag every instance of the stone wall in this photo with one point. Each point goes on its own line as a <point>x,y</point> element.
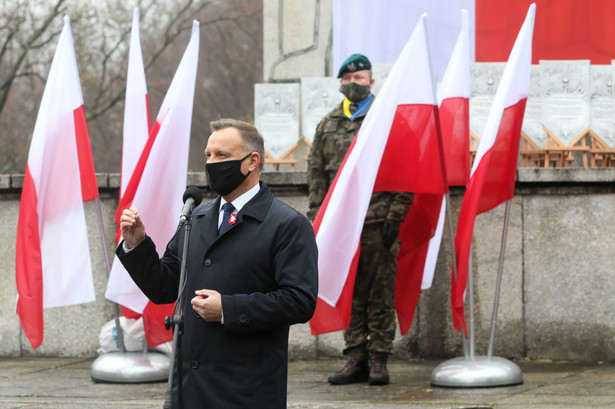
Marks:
<point>555,302</point>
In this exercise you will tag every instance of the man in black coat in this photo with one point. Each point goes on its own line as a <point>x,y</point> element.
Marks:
<point>246,284</point>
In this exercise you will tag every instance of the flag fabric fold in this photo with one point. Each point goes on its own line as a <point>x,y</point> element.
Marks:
<point>136,108</point>
<point>135,135</point>
<point>156,186</point>
<point>421,232</point>
<point>397,149</point>
<point>492,178</point>
<point>53,266</point>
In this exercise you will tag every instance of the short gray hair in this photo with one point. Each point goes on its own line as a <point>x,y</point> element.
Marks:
<point>252,139</point>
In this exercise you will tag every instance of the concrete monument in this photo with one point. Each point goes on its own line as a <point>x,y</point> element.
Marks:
<point>318,97</point>
<point>276,116</point>
<point>565,90</point>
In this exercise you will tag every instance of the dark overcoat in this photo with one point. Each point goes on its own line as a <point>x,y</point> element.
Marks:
<point>265,268</point>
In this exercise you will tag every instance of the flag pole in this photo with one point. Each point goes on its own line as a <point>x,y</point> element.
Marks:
<point>124,366</point>
<point>116,308</point>
<point>471,305</point>
<point>485,371</point>
<point>443,166</point>
<point>477,371</point>
<point>498,285</point>
<point>449,214</point>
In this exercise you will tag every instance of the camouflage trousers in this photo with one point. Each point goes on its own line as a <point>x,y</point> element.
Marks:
<point>372,321</point>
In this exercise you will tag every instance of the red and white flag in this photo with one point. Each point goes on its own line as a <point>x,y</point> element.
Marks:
<point>157,185</point>
<point>422,229</point>
<point>397,149</point>
<point>492,179</point>
<point>53,266</point>
<point>136,109</point>
<point>135,135</point>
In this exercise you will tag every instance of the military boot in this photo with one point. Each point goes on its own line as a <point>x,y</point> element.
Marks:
<point>354,371</point>
<point>378,373</point>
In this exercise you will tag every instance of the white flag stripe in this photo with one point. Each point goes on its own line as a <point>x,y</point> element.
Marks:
<point>433,250</point>
<point>166,166</point>
<point>514,86</point>
<point>456,81</point>
<point>136,127</point>
<point>136,132</point>
<point>54,165</point>
<point>340,230</point>
<point>390,24</point>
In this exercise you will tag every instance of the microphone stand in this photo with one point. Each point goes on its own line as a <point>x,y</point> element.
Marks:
<point>178,322</point>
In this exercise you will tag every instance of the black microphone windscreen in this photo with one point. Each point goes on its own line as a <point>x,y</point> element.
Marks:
<point>194,193</point>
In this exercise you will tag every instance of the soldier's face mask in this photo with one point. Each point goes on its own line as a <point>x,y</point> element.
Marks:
<point>225,176</point>
<point>355,92</point>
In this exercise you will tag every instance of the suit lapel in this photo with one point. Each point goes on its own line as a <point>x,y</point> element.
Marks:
<point>206,216</point>
<point>205,222</point>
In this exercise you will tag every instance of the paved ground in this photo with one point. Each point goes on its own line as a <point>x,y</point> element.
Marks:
<point>66,383</point>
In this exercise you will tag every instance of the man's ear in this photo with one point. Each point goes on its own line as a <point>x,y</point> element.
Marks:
<point>255,160</point>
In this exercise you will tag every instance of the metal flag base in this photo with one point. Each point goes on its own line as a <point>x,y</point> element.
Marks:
<point>482,371</point>
<point>131,367</point>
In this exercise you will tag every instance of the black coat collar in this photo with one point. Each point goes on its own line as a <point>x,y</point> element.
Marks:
<point>206,215</point>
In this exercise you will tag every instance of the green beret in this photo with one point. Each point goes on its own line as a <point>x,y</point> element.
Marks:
<point>356,62</point>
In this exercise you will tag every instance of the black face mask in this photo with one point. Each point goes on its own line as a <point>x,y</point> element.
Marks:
<point>225,176</point>
<point>355,92</point>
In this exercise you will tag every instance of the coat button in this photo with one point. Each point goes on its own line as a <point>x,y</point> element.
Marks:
<point>243,318</point>
<point>207,263</point>
<point>194,364</point>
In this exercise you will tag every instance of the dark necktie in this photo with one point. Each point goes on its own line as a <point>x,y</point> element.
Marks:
<point>226,224</point>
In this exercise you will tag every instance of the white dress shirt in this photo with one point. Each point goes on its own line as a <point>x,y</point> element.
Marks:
<point>239,202</point>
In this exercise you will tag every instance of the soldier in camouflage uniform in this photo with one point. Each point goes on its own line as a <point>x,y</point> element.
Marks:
<point>369,339</point>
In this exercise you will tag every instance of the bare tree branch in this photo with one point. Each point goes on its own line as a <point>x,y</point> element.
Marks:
<point>25,48</point>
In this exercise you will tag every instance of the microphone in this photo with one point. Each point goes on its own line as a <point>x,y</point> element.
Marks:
<point>192,197</point>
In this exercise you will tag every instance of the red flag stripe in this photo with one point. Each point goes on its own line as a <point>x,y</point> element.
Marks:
<point>89,187</point>
<point>421,231</point>
<point>416,231</point>
<point>564,29</point>
<point>29,269</point>
<point>499,182</point>
<point>492,182</point>
<point>492,176</point>
<point>412,150</point>
<point>454,121</point>
<point>131,189</point>
<point>327,318</point>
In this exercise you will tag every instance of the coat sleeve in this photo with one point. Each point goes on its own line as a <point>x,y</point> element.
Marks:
<point>295,261</point>
<point>157,278</point>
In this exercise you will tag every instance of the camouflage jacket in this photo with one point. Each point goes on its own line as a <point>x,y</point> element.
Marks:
<point>332,140</point>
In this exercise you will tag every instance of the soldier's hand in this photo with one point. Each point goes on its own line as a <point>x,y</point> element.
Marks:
<point>390,231</point>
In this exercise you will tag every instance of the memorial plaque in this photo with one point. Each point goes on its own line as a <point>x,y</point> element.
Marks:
<point>318,97</point>
<point>276,116</point>
<point>532,123</point>
<point>484,81</point>
<point>380,72</point>
<point>565,89</point>
<point>602,108</point>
